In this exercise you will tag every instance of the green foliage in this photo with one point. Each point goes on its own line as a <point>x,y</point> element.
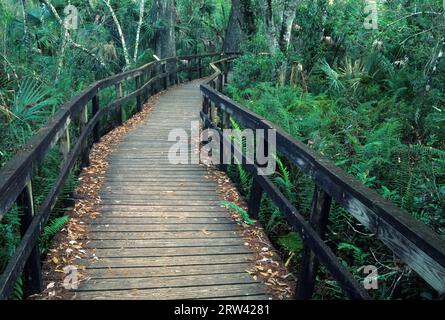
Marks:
<point>239,210</point>
<point>18,293</point>
<point>369,100</point>
<point>291,242</point>
<point>50,230</point>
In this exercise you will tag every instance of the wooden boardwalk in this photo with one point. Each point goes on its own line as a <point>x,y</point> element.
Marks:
<point>162,233</point>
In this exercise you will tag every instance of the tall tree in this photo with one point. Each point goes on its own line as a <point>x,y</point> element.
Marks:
<point>164,18</point>
<point>241,25</point>
<point>290,6</point>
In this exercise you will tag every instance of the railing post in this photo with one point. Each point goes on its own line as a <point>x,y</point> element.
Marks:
<point>214,113</point>
<point>220,82</point>
<point>65,143</point>
<point>85,158</point>
<point>225,124</point>
<point>138,97</point>
<point>154,84</point>
<point>199,68</point>
<point>164,77</point>
<point>147,88</point>
<point>96,129</point>
<point>256,193</point>
<point>119,94</point>
<point>321,203</point>
<point>225,72</point>
<point>32,271</point>
<point>174,75</point>
<point>205,105</point>
<point>190,68</point>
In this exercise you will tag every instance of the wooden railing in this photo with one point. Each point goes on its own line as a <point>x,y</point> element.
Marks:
<point>411,241</point>
<point>16,175</point>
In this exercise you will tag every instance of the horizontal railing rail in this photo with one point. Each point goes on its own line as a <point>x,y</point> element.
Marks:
<point>16,176</point>
<point>414,243</point>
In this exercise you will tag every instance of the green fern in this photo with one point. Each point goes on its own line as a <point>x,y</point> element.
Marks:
<point>50,231</point>
<point>234,207</point>
<point>18,293</point>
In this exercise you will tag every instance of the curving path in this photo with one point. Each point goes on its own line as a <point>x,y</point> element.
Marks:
<point>162,233</point>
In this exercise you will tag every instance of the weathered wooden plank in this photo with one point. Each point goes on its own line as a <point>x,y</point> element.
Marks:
<point>171,243</point>
<point>167,271</point>
<point>167,235</point>
<point>203,292</point>
<point>162,221</point>
<point>171,252</point>
<point>147,199</point>
<point>151,194</point>
<point>162,227</point>
<point>129,262</point>
<point>165,282</point>
<point>164,186</point>
<point>147,202</point>
<point>168,215</point>
<point>160,208</point>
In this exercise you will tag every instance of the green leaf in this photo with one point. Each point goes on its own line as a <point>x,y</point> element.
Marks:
<point>291,242</point>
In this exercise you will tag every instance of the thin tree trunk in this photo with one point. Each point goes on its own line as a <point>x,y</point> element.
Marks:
<point>138,33</point>
<point>285,35</point>
<point>25,22</point>
<point>287,22</point>
<point>68,37</point>
<point>121,34</point>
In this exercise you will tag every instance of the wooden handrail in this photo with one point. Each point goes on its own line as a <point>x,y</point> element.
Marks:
<point>418,246</point>
<point>16,175</point>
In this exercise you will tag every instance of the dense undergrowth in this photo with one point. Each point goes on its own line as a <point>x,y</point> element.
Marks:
<point>371,103</point>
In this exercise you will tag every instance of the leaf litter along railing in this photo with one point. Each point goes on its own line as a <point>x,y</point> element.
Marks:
<point>418,246</point>
<point>16,175</point>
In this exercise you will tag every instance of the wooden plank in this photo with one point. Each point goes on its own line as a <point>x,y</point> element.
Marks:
<point>147,199</point>
<point>156,221</point>
<point>171,252</point>
<point>162,227</point>
<point>167,215</point>
<point>129,262</point>
<point>203,292</point>
<point>161,208</point>
<point>167,271</point>
<point>152,194</point>
<point>165,186</point>
<point>171,201</point>
<point>171,243</point>
<point>165,282</point>
<point>167,235</point>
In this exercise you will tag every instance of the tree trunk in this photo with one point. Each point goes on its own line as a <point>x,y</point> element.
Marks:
<point>138,32</point>
<point>287,22</point>
<point>269,26</point>
<point>164,37</point>
<point>241,25</point>
<point>289,9</point>
<point>121,33</point>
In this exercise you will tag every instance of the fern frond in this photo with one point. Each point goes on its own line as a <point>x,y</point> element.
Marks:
<point>234,207</point>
